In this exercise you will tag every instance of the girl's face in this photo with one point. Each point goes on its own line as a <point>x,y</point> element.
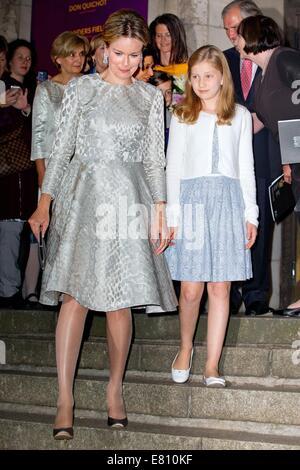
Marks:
<point>163,39</point>
<point>20,62</point>
<point>148,69</point>
<point>206,82</point>
<point>124,55</point>
<point>73,63</point>
<point>99,54</point>
<point>2,63</point>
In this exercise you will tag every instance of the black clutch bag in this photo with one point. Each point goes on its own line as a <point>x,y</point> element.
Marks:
<point>282,199</point>
<point>42,251</point>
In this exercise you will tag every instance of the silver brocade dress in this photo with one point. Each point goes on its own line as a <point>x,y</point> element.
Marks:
<point>45,117</point>
<point>98,246</point>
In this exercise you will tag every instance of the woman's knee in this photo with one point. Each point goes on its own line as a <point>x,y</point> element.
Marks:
<point>190,294</point>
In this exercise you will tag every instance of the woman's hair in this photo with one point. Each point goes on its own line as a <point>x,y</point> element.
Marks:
<point>125,23</point>
<point>96,42</point>
<point>179,53</point>
<point>159,78</point>
<point>188,110</point>
<point>3,44</point>
<point>65,43</point>
<point>260,33</point>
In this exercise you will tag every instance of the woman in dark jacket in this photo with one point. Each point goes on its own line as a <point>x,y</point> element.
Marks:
<point>18,189</point>
<point>276,94</point>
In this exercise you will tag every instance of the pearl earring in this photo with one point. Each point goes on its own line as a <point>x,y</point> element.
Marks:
<point>105,59</point>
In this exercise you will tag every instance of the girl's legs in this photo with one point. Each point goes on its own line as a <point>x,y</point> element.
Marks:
<point>69,332</point>
<point>189,303</point>
<point>218,312</point>
<point>119,333</point>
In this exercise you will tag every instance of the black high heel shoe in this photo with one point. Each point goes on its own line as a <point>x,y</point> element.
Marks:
<point>117,423</point>
<point>63,433</point>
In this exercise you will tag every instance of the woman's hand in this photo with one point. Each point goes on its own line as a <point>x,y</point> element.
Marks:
<point>251,234</point>
<point>22,102</point>
<point>11,97</point>
<point>287,173</point>
<point>159,230</point>
<point>40,218</point>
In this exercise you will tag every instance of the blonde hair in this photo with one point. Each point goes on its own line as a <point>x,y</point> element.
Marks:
<point>96,42</point>
<point>125,23</point>
<point>188,110</point>
<point>65,43</point>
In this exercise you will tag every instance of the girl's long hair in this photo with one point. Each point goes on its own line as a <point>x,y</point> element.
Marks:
<point>189,108</point>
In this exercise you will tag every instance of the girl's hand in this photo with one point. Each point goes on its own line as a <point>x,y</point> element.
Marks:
<point>172,235</point>
<point>251,234</point>
<point>160,237</point>
<point>287,173</point>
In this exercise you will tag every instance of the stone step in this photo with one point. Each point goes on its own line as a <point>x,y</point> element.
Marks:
<point>157,356</point>
<point>241,330</point>
<point>31,428</point>
<point>249,399</point>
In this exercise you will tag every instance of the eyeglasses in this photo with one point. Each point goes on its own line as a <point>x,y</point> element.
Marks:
<point>21,58</point>
<point>167,93</point>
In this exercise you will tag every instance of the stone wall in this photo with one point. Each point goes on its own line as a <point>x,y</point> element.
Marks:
<point>15,19</point>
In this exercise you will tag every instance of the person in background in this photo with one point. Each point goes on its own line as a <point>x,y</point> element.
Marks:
<point>260,41</point>
<point>18,189</point>
<point>254,293</point>
<point>168,39</point>
<point>164,83</point>
<point>68,53</point>
<point>97,47</point>
<point>211,212</point>
<point>111,127</point>
<point>11,94</point>
<point>146,71</point>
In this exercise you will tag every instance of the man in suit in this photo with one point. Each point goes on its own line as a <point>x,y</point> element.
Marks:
<point>255,293</point>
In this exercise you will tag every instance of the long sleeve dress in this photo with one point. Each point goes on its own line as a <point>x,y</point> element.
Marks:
<point>98,246</point>
<point>45,118</point>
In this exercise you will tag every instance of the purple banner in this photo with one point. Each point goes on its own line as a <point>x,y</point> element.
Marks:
<point>86,18</point>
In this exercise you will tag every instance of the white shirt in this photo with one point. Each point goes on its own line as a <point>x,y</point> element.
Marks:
<point>189,155</point>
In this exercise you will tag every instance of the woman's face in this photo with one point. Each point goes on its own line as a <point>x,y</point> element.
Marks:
<point>2,63</point>
<point>206,82</point>
<point>148,64</point>
<point>166,88</point>
<point>73,63</point>
<point>163,39</point>
<point>98,57</point>
<point>240,44</point>
<point>20,62</point>
<point>124,55</point>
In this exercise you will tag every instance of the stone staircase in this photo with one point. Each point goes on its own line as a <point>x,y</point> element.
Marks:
<point>258,410</point>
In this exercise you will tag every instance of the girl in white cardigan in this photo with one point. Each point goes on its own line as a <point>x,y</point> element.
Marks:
<point>212,211</point>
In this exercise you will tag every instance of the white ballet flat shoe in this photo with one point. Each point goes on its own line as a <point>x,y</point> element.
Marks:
<point>180,376</point>
<point>214,381</point>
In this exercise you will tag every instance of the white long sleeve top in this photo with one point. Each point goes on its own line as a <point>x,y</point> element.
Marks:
<point>189,155</point>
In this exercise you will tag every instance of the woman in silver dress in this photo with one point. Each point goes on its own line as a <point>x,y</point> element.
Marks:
<point>100,254</point>
<point>68,52</point>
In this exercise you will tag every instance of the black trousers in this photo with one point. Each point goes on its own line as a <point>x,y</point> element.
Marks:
<point>258,288</point>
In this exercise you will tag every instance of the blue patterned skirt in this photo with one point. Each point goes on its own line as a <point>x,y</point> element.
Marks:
<point>211,241</point>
